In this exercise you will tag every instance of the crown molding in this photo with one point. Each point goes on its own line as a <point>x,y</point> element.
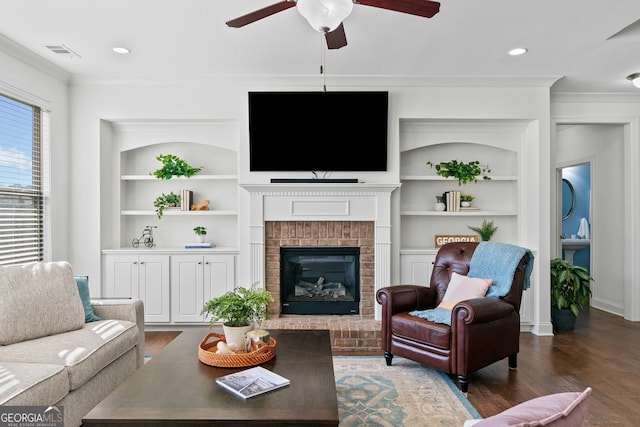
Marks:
<point>36,61</point>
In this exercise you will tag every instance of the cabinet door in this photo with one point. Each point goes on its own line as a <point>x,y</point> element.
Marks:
<point>416,269</point>
<point>219,275</point>
<point>154,287</point>
<point>187,288</point>
<point>121,276</point>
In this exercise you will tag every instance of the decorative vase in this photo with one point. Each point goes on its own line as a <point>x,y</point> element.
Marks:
<point>235,335</point>
<point>439,206</point>
<point>199,238</point>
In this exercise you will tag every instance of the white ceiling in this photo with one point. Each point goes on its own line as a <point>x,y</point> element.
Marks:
<point>592,44</point>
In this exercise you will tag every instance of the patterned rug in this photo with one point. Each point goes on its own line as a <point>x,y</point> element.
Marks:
<point>372,394</point>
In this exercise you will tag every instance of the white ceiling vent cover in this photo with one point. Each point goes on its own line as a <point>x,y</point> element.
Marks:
<point>60,49</point>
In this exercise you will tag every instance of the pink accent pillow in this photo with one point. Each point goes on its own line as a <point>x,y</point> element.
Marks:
<point>463,288</point>
<point>557,410</point>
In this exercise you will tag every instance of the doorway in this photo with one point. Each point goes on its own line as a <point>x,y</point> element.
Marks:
<point>576,214</point>
<point>602,147</point>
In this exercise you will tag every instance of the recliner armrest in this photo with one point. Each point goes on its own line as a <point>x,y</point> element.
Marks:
<point>481,310</point>
<point>402,298</point>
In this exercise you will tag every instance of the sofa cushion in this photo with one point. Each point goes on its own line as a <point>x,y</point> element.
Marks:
<point>38,299</point>
<point>84,352</point>
<point>85,297</point>
<point>24,384</point>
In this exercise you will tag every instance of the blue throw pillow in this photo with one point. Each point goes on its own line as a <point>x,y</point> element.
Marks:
<point>83,288</point>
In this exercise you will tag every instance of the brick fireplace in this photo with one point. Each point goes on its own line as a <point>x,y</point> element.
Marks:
<point>327,234</point>
<point>322,214</point>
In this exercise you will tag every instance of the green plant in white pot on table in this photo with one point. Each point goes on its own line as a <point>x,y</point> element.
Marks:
<point>200,233</point>
<point>239,310</point>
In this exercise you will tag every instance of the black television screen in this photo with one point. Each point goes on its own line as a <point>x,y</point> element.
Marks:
<point>318,131</point>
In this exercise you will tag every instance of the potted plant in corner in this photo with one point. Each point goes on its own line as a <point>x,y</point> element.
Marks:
<point>461,171</point>
<point>200,233</point>
<point>239,310</point>
<point>570,291</point>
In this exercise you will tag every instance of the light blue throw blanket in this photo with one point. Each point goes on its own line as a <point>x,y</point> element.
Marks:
<point>497,261</point>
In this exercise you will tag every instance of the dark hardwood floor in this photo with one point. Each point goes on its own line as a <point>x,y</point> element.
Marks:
<point>603,353</point>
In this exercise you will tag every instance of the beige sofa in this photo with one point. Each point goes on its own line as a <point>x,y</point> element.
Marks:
<point>49,354</point>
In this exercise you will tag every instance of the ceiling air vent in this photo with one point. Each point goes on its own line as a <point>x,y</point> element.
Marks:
<point>60,49</point>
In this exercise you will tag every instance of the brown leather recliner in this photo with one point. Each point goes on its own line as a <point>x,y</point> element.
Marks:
<point>482,331</point>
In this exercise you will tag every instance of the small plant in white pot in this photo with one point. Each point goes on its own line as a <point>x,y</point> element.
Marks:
<point>239,310</point>
<point>200,233</point>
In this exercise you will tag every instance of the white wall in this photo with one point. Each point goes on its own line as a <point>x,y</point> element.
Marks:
<point>93,101</point>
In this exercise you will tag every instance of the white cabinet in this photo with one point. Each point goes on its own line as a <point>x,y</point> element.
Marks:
<point>416,267</point>
<point>195,279</point>
<point>144,277</point>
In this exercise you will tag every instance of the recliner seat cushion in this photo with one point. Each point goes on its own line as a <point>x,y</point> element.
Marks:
<point>84,352</point>
<point>38,299</point>
<point>414,328</point>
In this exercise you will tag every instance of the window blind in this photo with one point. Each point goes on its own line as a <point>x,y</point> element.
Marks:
<point>21,196</point>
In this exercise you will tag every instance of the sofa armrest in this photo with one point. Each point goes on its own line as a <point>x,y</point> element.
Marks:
<point>131,310</point>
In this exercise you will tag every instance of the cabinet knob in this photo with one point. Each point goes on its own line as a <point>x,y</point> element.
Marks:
<point>199,262</point>
<point>207,263</point>
<point>141,262</point>
<point>135,262</point>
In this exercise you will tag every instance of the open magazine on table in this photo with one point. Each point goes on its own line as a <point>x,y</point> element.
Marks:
<point>252,382</point>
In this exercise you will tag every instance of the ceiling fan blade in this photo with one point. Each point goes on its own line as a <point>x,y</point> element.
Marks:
<point>261,13</point>
<point>425,8</point>
<point>336,38</point>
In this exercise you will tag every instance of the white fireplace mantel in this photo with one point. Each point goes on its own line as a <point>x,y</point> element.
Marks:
<point>322,202</point>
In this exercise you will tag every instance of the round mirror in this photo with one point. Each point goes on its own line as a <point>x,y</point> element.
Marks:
<point>568,199</point>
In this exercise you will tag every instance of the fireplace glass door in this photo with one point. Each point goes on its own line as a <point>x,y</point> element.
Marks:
<point>320,280</point>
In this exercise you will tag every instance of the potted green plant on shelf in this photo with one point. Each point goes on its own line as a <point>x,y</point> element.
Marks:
<point>165,201</point>
<point>486,230</point>
<point>239,310</point>
<point>200,233</point>
<point>465,200</point>
<point>172,166</point>
<point>570,291</point>
<point>461,171</point>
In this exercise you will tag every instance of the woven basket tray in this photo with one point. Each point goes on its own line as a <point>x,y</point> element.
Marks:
<point>207,353</point>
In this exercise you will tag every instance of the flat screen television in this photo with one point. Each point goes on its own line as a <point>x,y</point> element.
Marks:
<point>318,131</point>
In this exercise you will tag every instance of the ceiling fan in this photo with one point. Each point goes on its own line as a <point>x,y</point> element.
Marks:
<point>326,16</point>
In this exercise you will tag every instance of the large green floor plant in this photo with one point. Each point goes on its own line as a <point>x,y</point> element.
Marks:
<point>570,286</point>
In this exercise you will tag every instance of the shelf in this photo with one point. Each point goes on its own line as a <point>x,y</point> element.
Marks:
<point>439,178</point>
<point>180,178</point>
<point>450,214</point>
<point>181,213</point>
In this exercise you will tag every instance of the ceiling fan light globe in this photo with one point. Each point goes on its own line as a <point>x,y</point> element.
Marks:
<point>324,15</point>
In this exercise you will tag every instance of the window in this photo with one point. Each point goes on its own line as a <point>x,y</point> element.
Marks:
<point>21,193</point>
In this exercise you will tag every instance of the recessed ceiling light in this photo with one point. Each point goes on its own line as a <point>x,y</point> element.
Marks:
<point>518,51</point>
<point>120,49</point>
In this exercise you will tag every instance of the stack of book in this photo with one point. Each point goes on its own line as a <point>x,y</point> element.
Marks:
<point>198,245</point>
<point>452,200</point>
<point>186,200</point>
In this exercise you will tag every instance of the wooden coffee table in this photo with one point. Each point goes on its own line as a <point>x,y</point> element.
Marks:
<point>175,388</point>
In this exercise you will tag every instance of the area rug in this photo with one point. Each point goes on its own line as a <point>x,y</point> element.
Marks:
<point>372,394</point>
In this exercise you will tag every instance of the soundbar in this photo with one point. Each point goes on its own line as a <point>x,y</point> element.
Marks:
<point>314,180</point>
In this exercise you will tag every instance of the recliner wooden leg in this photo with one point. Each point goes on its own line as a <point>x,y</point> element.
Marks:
<point>388,357</point>
<point>513,361</point>
<point>463,383</point>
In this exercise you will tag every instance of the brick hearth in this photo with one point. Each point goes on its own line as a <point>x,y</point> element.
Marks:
<point>349,333</point>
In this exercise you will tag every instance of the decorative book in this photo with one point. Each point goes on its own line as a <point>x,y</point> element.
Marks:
<point>252,382</point>
<point>196,245</point>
